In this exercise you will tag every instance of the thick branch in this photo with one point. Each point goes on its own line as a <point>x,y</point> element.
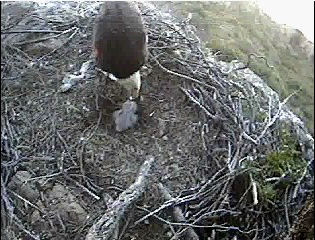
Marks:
<point>108,227</point>
<point>178,215</point>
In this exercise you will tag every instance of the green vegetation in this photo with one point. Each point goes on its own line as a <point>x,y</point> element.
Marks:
<point>268,191</point>
<point>287,161</point>
<point>238,29</point>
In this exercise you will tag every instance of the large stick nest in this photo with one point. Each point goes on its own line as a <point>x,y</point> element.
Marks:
<point>211,126</point>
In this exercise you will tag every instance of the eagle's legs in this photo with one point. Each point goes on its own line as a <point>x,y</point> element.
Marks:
<point>132,84</point>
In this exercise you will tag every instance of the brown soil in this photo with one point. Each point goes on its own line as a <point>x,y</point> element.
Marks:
<point>66,131</point>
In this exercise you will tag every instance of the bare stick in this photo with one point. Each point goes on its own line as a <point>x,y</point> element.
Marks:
<point>84,188</point>
<point>182,75</point>
<point>110,224</point>
<point>254,190</point>
<point>30,31</point>
<point>178,215</point>
<point>273,120</point>
<point>46,38</point>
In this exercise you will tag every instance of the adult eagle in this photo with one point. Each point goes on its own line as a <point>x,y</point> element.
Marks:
<point>120,43</point>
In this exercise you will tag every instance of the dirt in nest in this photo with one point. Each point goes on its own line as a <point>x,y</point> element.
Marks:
<point>72,163</point>
<point>77,163</point>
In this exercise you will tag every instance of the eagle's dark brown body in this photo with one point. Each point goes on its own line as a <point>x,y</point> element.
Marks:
<point>120,39</point>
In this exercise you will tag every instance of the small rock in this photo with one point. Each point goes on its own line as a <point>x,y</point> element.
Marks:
<point>63,203</point>
<point>21,186</point>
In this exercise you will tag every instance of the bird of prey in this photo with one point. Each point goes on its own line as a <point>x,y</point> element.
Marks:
<point>120,43</point>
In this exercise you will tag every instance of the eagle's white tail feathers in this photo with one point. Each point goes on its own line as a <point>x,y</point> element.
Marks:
<point>132,84</point>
